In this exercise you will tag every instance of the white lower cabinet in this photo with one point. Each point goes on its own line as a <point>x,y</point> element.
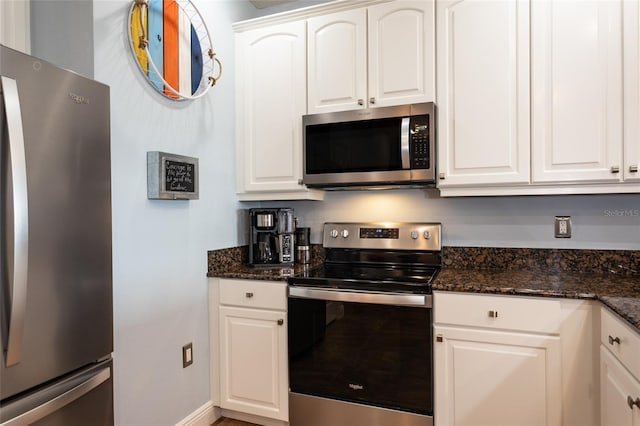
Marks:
<point>618,393</point>
<point>619,373</point>
<point>493,365</point>
<point>252,350</point>
<point>502,360</point>
<point>497,378</point>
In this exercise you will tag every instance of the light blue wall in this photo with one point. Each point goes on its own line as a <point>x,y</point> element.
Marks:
<point>69,45</point>
<point>159,247</point>
<point>599,221</point>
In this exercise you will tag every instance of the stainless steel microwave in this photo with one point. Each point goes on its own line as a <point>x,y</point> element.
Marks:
<point>370,147</point>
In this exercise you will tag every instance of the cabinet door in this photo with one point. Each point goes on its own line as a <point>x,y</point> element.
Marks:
<point>631,26</point>
<point>576,91</point>
<point>271,101</point>
<point>401,49</point>
<point>253,362</point>
<point>337,52</point>
<point>483,92</point>
<point>496,378</point>
<point>616,386</point>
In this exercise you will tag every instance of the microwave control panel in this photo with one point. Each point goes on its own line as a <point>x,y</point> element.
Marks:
<point>419,142</point>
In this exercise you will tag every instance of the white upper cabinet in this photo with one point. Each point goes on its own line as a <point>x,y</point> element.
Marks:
<point>377,56</point>
<point>631,24</point>
<point>337,52</point>
<point>576,89</point>
<point>401,53</point>
<point>538,97</point>
<point>483,92</point>
<point>271,88</point>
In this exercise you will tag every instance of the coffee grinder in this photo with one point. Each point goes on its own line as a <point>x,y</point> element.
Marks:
<point>271,237</point>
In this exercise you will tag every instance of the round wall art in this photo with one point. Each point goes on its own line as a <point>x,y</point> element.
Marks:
<point>172,47</point>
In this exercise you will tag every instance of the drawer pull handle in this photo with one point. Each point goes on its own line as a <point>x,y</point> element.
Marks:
<point>613,340</point>
<point>615,169</point>
<point>439,338</point>
<point>280,321</point>
<point>631,402</point>
<point>493,314</point>
<point>633,169</point>
<point>249,294</point>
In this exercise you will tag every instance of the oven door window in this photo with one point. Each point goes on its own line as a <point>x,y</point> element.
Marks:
<point>372,354</point>
<point>367,146</point>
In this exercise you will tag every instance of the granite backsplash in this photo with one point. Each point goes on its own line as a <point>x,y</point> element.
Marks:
<point>622,262</point>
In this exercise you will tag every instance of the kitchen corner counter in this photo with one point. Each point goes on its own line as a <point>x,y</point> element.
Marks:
<point>610,276</point>
<point>233,263</point>
<point>247,272</point>
<point>621,293</point>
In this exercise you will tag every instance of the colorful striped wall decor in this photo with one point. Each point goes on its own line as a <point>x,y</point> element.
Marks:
<point>184,53</point>
<point>137,30</point>
<point>174,60</point>
<point>170,47</point>
<point>196,61</point>
<point>155,19</point>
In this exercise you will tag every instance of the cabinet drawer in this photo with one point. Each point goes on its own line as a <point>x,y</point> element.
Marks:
<point>498,312</point>
<point>621,340</point>
<point>254,294</point>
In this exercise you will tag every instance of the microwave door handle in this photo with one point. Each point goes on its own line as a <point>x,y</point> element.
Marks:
<point>404,143</point>
<point>20,213</point>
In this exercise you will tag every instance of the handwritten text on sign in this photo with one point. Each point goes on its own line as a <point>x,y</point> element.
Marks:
<point>179,176</point>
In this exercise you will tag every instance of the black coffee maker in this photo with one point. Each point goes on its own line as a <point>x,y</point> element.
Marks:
<point>271,237</point>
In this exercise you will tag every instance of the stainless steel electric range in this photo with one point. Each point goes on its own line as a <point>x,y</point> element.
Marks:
<point>360,341</point>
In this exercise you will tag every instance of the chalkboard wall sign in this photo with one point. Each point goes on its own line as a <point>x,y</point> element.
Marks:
<point>171,176</point>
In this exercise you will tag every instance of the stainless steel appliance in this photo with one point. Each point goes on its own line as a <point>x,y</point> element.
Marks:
<point>360,339</point>
<point>376,146</point>
<point>271,237</point>
<point>303,245</point>
<point>55,256</point>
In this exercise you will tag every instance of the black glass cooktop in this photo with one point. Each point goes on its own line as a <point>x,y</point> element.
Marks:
<point>383,278</point>
<point>393,271</point>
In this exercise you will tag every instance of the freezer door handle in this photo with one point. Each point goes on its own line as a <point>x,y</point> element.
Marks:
<point>20,211</point>
<point>60,401</point>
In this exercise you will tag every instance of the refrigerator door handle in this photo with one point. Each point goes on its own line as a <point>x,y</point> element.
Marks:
<point>20,221</point>
<point>60,401</point>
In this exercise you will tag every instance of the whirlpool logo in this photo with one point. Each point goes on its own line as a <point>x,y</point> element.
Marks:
<point>355,387</point>
<point>78,98</point>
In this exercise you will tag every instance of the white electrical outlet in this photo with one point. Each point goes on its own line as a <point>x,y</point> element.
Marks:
<point>563,227</point>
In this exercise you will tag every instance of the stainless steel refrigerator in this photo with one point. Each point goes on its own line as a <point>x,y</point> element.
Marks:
<point>55,256</point>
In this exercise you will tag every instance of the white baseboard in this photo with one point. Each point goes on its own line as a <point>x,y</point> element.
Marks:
<point>206,415</point>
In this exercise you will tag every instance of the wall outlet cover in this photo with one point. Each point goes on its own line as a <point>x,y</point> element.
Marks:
<point>563,227</point>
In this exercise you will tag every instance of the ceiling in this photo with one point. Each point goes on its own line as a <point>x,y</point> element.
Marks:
<point>261,4</point>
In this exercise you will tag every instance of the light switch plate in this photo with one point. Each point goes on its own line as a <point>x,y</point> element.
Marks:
<point>563,227</point>
<point>187,355</point>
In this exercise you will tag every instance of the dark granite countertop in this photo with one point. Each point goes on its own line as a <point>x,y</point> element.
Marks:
<point>608,276</point>
<point>621,293</point>
<point>248,272</point>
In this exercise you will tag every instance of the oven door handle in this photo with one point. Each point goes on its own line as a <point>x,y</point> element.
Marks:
<point>419,300</point>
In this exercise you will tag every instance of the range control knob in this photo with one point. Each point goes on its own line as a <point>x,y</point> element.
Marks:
<point>427,235</point>
<point>333,233</point>
<point>414,235</point>
<point>344,233</point>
